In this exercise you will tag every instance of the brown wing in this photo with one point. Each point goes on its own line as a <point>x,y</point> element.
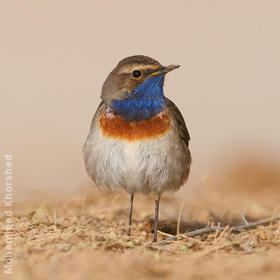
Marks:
<point>100,110</point>
<point>179,121</point>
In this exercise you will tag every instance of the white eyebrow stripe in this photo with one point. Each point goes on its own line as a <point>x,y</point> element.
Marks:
<point>129,68</point>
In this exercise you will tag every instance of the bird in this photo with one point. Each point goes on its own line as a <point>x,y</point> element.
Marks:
<point>138,139</point>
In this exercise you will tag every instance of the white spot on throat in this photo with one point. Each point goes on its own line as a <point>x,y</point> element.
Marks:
<point>109,115</point>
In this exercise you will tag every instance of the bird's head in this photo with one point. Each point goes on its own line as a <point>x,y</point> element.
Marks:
<point>134,89</point>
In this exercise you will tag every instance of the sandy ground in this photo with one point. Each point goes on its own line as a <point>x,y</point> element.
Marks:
<point>84,237</point>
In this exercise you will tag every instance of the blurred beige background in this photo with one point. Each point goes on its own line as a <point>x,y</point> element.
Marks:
<point>55,55</point>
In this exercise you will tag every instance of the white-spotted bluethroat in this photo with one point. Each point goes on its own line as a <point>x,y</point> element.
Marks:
<point>138,139</point>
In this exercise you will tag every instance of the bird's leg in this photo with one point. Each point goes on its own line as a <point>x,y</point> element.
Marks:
<point>130,213</point>
<point>157,198</point>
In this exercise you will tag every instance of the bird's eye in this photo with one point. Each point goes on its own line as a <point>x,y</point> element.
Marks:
<point>136,73</point>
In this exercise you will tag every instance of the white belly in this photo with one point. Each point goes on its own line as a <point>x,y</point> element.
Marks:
<point>151,165</point>
<point>131,160</point>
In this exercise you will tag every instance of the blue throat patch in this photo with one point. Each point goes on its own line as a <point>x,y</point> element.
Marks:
<point>145,102</point>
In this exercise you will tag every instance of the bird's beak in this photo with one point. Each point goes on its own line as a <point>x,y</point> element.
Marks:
<point>164,70</point>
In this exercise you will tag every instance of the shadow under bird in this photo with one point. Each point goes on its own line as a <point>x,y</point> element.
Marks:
<point>138,139</point>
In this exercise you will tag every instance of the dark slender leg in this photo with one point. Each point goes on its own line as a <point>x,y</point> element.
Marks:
<point>130,213</point>
<point>157,198</point>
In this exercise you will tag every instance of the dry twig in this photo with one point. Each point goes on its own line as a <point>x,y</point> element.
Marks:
<point>179,218</point>
<point>214,229</point>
